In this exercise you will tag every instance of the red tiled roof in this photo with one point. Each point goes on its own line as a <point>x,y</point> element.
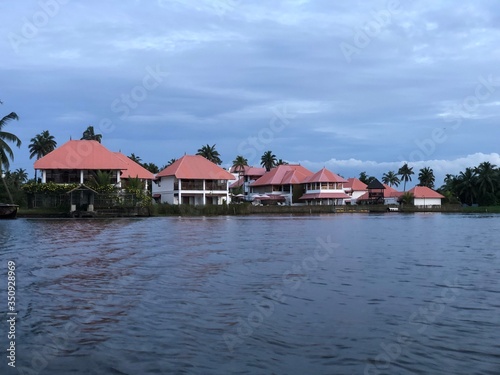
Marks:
<point>81,154</point>
<point>390,192</point>
<point>355,184</point>
<point>134,169</point>
<point>283,175</point>
<point>237,184</point>
<point>424,192</point>
<point>250,171</point>
<point>324,175</point>
<point>325,196</point>
<point>195,167</point>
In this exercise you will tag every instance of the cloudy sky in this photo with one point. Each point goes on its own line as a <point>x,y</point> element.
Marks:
<point>353,86</point>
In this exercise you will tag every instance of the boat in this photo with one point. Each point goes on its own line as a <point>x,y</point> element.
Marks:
<point>8,211</point>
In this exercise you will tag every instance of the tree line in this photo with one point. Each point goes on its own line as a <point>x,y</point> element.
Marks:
<point>476,185</point>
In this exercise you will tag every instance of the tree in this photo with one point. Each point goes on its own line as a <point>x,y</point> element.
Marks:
<point>210,153</point>
<point>268,160</point>
<point>152,167</point>
<point>467,185</point>
<point>390,178</point>
<point>281,162</point>
<point>89,135</point>
<point>239,163</point>
<point>41,144</point>
<point>406,198</point>
<point>170,162</point>
<point>486,178</point>
<point>19,177</point>
<point>5,150</point>
<point>135,158</point>
<point>426,177</point>
<point>364,178</point>
<point>405,172</point>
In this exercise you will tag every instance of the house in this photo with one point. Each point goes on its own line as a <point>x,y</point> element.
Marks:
<point>245,178</point>
<point>391,195</point>
<point>324,188</point>
<point>424,197</point>
<point>78,162</point>
<point>374,194</point>
<point>355,188</point>
<point>284,182</point>
<point>135,170</point>
<point>193,180</point>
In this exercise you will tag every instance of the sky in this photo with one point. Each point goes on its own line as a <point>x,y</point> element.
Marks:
<point>352,86</point>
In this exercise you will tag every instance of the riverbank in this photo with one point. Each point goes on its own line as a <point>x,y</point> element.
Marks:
<point>245,209</point>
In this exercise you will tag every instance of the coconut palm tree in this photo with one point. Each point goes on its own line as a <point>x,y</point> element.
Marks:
<point>405,172</point>
<point>19,177</point>
<point>152,167</point>
<point>210,153</point>
<point>486,177</point>
<point>89,135</point>
<point>390,178</point>
<point>41,144</point>
<point>467,185</point>
<point>135,158</point>
<point>281,162</point>
<point>426,177</point>
<point>239,163</point>
<point>170,162</point>
<point>268,160</point>
<point>5,150</point>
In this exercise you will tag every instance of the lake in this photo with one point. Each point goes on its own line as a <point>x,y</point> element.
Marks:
<point>333,294</point>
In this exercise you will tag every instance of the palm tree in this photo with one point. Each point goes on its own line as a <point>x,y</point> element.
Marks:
<point>426,177</point>
<point>101,180</point>
<point>467,185</point>
<point>268,160</point>
<point>405,172</point>
<point>281,162</point>
<point>486,175</point>
<point>5,150</point>
<point>390,178</point>
<point>41,144</point>
<point>240,163</point>
<point>406,198</point>
<point>152,167</point>
<point>210,153</point>
<point>19,177</point>
<point>170,162</point>
<point>135,158</point>
<point>89,135</point>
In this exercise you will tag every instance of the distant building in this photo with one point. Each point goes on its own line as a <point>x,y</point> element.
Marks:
<point>284,182</point>
<point>355,188</point>
<point>324,188</point>
<point>379,193</point>
<point>78,162</point>
<point>193,180</point>
<point>244,178</point>
<point>424,197</point>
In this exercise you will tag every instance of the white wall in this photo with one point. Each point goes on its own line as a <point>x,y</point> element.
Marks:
<point>427,202</point>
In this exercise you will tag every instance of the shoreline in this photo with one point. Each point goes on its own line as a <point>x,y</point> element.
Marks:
<point>244,210</point>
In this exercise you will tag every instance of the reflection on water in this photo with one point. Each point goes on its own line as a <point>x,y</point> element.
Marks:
<point>401,294</point>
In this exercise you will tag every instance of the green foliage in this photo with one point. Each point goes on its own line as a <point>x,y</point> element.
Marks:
<point>48,188</point>
<point>268,160</point>
<point>210,153</point>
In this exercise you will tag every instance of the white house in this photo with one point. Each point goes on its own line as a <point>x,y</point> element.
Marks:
<point>324,188</point>
<point>193,180</point>
<point>423,197</point>
<point>355,188</point>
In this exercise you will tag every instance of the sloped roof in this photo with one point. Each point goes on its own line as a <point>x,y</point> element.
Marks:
<point>375,184</point>
<point>424,192</point>
<point>325,196</point>
<point>237,183</point>
<point>195,167</point>
<point>134,169</point>
<point>355,184</point>
<point>324,175</point>
<point>81,154</point>
<point>250,171</point>
<point>283,175</point>
<point>390,192</point>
